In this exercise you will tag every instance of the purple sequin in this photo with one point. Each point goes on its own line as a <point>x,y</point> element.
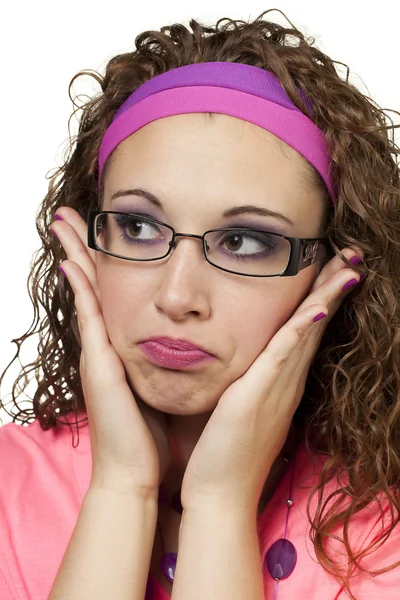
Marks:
<point>168,565</point>
<point>281,559</point>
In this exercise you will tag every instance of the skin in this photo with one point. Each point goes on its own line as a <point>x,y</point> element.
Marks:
<point>204,166</point>
<point>198,167</point>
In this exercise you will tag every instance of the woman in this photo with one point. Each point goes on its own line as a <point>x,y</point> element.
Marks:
<point>223,328</point>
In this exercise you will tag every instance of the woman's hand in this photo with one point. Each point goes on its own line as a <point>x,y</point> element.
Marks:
<point>248,428</point>
<point>130,443</point>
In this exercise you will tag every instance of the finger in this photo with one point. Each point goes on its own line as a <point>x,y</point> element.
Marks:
<point>337,264</point>
<point>92,328</point>
<point>332,290</point>
<point>287,349</point>
<point>289,353</point>
<point>291,338</point>
<point>69,215</point>
<point>102,372</point>
<point>331,293</point>
<point>297,369</point>
<point>75,249</point>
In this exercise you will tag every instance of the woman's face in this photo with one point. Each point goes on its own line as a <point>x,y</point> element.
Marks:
<point>198,168</point>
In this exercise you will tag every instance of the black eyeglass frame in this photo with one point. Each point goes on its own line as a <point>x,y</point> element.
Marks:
<point>303,251</point>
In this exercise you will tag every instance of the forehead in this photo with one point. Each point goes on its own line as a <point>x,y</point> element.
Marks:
<point>223,159</point>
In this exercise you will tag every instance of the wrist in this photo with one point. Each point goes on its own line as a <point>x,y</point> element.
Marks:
<point>221,500</point>
<point>123,485</point>
<point>203,507</point>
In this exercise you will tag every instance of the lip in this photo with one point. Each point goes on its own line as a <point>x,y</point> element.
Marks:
<point>174,353</point>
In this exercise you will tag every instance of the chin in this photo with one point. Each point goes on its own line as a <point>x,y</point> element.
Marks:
<point>187,398</point>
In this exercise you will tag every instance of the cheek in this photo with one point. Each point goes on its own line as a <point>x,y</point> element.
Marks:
<point>121,301</point>
<point>266,311</point>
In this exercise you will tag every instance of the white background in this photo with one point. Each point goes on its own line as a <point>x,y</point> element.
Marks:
<point>43,44</point>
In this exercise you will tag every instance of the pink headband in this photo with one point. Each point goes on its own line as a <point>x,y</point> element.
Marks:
<point>235,89</point>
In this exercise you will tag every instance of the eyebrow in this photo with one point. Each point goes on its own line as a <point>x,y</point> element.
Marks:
<point>229,212</point>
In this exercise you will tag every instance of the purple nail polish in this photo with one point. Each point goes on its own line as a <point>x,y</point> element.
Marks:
<point>54,233</point>
<point>355,260</point>
<point>319,317</point>
<point>58,217</point>
<point>350,284</point>
<point>62,270</point>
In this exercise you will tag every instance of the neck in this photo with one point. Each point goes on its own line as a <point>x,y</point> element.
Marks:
<point>185,431</point>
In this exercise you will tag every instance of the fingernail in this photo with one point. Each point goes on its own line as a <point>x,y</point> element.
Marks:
<point>350,284</point>
<point>62,270</point>
<point>54,233</point>
<point>58,217</point>
<point>355,260</point>
<point>319,317</point>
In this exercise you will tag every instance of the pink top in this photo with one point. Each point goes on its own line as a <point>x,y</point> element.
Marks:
<point>42,484</point>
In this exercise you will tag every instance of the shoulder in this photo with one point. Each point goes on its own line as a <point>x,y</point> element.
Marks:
<point>309,575</point>
<point>32,458</point>
<point>42,481</point>
<point>27,447</point>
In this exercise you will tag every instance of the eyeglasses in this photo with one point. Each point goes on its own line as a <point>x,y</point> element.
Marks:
<point>238,250</point>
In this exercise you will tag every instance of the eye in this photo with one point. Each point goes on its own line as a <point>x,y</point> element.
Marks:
<point>135,228</point>
<point>248,244</point>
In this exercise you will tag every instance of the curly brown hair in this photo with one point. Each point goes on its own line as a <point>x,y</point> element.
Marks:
<point>350,412</point>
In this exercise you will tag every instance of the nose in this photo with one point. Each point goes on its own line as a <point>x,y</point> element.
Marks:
<point>184,289</point>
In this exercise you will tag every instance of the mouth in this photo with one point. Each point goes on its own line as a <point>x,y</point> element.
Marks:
<point>174,353</point>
